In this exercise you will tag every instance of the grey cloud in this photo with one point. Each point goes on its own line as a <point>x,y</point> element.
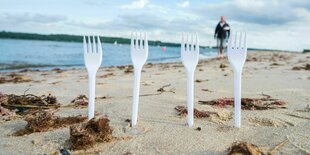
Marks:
<point>269,14</point>
<point>28,17</point>
<point>140,21</point>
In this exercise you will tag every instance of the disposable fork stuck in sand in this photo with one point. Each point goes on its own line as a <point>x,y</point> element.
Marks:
<point>139,54</point>
<point>236,53</point>
<point>190,57</point>
<point>92,60</point>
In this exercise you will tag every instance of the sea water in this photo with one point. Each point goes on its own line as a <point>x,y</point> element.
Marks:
<point>21,54</point>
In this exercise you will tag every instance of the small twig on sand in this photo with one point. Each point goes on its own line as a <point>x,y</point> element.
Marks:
<point>298,116</point>
<point>160,90</point>
<point>277,147</point>
<point>267,96</point>
<point>151,94</point>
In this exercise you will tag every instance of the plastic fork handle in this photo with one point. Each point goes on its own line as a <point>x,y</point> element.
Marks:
<point>91,95</point>
<point>136,92</point>
<point>237,98</point>
<point>190,98</point>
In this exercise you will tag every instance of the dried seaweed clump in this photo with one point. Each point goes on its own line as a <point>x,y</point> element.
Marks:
<point>2,97</point>
<point>57,70</point>
<point>15,78</point>
<point>275,57</point>
<point>248,103</point>
<point>305,67</point>
<point>87,134</point>
<point>80,100</point>
<point>22,103</point>
<point>44,121</point>
<point>6,114</point>
<point>182,111</point>
<point>244,148</point>
<point>127,69</point>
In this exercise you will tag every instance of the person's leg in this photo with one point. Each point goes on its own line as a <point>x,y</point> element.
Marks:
<point>222,48</point>
<point>219,47</point>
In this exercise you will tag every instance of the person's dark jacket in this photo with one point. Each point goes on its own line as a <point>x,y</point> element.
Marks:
<point>220,32</point>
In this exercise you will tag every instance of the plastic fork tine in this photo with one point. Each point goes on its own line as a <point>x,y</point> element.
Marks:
<point>182,44</point>
<point>141,40</point>
<point>229,40</point>
<point>192,43</point>
<point>99,45</point>
<point>235,41</point>
<point>136,41</point>
<point>146,45</point>
<point>197,44</point>
<point>187,43</point>
<point>244,42</point>
<point>89,45</point>
<point>85,45</point>
<point>132,41</point>
<point>94,45</point>
<point>240,40</point>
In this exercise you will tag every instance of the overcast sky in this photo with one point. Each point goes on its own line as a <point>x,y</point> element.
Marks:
<point>273,24</point>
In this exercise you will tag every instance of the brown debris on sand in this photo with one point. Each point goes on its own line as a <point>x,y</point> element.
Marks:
<point>182,111</point>
<point>103,97</point>
<point>80,100</point>
<point>22,103</point>
<point>223,65</point>
<point>305,67</point>
<point>106,75</point>
<point>6,114</point>
<point>248,103</point>
<point>162,89</point>
<point>306,109</point>
<point>57,70</point>
<point>127,69</point>
<point>15,78</point>
<point>207,90</point>
<point>275,57</point>
<point>244,148</point>
<point>199,81</point>
<point>45,121</point>
<point>85,135</point>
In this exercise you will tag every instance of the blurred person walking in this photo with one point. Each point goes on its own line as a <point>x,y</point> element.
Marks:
<point>222,33</point>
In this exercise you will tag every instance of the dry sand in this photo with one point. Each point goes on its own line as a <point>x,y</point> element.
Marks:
<point>159,129</point>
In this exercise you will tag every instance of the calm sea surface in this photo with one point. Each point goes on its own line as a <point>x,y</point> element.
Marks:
<point>19,54</point>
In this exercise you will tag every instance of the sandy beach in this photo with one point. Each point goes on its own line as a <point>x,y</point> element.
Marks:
<point>160,130</point>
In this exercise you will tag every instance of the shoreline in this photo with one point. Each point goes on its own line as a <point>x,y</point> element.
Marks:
<point>21,67</point>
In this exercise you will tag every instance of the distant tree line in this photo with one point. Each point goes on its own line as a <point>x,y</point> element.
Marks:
<point>74,38</point>
<point>77,38</point>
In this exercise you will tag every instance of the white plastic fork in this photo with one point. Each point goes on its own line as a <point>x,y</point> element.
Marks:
<point>92,60</point>
<point>236,53</point>
<point>190,57</point>
<point>139,53</point>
